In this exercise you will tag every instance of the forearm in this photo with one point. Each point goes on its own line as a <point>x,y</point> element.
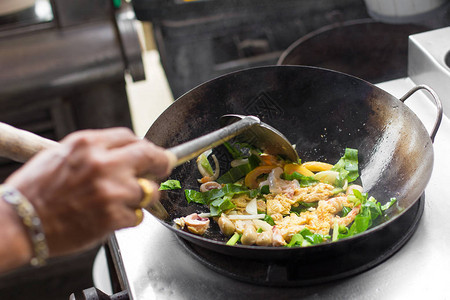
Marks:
<point>15,246</point>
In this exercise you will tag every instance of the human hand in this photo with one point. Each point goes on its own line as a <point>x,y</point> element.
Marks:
<point>86,187</point>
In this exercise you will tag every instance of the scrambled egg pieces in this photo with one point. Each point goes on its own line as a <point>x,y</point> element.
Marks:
<point>281,203</point>
<point>318,220</point>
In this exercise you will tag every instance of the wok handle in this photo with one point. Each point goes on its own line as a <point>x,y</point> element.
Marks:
<point>437,102</point>
<point>20,145</point>
<point>194,148</point>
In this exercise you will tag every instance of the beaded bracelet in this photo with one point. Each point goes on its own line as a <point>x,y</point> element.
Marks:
<point>30,219</point>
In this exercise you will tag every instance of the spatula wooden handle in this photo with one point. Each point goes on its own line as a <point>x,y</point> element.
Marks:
<point>21,145</point>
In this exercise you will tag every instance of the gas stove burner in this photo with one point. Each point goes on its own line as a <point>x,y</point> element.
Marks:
<point>363,255</point>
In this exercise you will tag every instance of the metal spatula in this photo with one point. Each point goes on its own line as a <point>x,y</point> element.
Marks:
<point>264,137</point>
<point>21,145</point>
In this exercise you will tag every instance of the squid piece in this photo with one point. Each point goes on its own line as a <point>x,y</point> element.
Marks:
<point>349,218</point>
<point>196,224</point>
<point>210,185</point>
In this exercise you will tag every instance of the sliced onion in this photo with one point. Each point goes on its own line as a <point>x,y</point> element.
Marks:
<point>203,171</point>
<point>252,207</point>
<point>263,225</point>
<point>246,217</point>
<point>216,169</point>
<point>238,162</point>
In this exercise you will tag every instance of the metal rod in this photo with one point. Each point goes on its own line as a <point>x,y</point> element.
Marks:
<point>194,148</point>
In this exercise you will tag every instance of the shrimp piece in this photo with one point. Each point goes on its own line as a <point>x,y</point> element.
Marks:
<point>323,218</point>
<point>278,185</point>
<point>353,187</point>
<point>333,205</point>
<point>348,218</point>
<point>277,238</point>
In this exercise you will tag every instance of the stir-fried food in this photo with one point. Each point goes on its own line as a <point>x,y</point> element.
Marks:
<point>265,200</point>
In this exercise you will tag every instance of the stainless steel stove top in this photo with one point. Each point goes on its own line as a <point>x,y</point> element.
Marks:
<point>153,264</point>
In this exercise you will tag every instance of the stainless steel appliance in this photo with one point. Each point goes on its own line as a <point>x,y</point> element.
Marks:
<point>151,263</point>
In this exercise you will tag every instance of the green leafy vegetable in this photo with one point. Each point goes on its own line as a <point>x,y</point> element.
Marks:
<point>204,162</point>
<point>234,239</point>
<point>265,190</point>
<point>370,210</point>
<point>219,200</point>
<point>269,220</point>
<point>336,191</point>
<point>302,179</point>
<point>170,184</point>
<point>236,173</point>
<point>345,211</point>
<point>303,206</point>
<point>347,167</point>
<point>220,205</point>
<point>235,153</point>
<point>298,240</point>
<point>313,238</point>
<point>195,196</point>
<point>306,238</point>
<point>389,204</point>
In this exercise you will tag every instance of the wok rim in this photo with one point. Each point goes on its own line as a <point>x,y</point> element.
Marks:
<point>201,241</point>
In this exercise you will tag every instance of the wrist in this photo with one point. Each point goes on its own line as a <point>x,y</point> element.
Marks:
<point>31,242</point>
<point>16,248</point>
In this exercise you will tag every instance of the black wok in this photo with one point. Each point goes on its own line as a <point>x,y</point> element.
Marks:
<point>322,112</point>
